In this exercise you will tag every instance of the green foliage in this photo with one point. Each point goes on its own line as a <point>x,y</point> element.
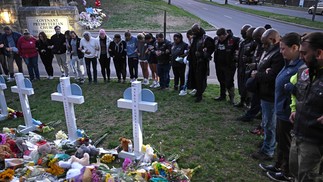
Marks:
<point>203,133</point>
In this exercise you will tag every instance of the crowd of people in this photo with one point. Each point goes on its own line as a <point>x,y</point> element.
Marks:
<point>279,76</point>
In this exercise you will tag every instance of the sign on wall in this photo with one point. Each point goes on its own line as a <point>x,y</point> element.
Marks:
<point>46,24</point>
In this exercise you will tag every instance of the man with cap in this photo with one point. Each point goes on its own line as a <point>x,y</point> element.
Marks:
<point>10,40</point>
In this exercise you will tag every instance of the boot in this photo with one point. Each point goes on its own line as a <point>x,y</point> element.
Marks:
<point>231,95</point>
<point>241,103</point>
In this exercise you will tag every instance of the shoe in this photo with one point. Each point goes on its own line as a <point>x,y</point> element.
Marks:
<point>81,80</point>
<point>257,131</point>
<point>269,168</point>
<point>261,156</point>
<point>198,99</point>
<point>145,82</point>
<point>62,75</point>
<point>279,176</point>
<point>50,77</point>
<point>10,79</point>
<point>176,87</point>
<point>119,81</point>
<point>221,98</point>
<point>193,92</point>
<point>156,85</point>
<point>239,105</point>
<point>182,92</point>
<point>153,84</point>
<point>123,81</point>
<point>244,119</point>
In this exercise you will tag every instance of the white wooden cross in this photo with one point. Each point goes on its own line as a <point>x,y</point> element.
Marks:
<point>3,103</point>
<point>24,89</point>
<point>137,100</point>
<point>69,94</point>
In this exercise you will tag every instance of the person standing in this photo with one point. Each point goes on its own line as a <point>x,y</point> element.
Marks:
<point>246,50</point>
<point>77,57</point>
<point>90,47</point>
<point>162,51</point>
<point>104,55</point>
<point>58,41</point>
<point>306,152</point>
<point>178,52</point>
<point>143,57</point>
<point>118,51</point>
<point>199,56</point>
<point>10,40</point>
<point>27,50</point>
<point>226,46</point>
<point>132,44</point>
<point>152,60</point>
<point>268,68</point>
<point>3,60</point>
<point>46,55</point>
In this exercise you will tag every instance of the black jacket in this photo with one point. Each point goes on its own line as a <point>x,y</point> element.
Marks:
<point>224,52</point>
<point>80,54</point>
<point>118,51</point>
<point>274,60</point>
<point>178,50</point>
<point>43,50</point>
<point>309,106</point>
<point>59,43</point>
<point>165,49</point>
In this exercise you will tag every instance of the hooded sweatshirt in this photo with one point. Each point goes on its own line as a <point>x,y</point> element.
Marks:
<point>89,46</point>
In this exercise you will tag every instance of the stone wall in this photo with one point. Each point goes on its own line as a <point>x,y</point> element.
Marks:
<point>11,6</point>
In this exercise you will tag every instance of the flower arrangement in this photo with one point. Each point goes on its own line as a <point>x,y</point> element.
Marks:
<point>7,175</point>
<point>91,18</point>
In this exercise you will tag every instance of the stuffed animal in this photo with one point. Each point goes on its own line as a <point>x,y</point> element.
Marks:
<point>5,152</point>
<point>124,142</point>
<point>91,150</point>
<point>84,161</point>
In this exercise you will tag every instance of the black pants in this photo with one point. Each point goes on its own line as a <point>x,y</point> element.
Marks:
<point>133,67</point>
<point>198,72</point>
<point>88,62</point>
<point>283,139</point>
<point>105,66</point>
<point>225,74</point>
<point>255,106</point>
<point>241,77</point>
<point>120,66</point>
<point>47,61</point>
<point>179,75</point>
<point>4,65</point>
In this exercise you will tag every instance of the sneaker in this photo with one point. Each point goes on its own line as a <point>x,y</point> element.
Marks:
<point>220,98</point>
<point>257,131</point>
<point>145,82</point>
<point>63,75</point>
<point>123,81</point>
<point>261,156</point>
<point>10,79</point>
<point>278,176</point>
<point>156,85</point>
<point>193,92</point>
<point>182,92</point>
<point>81,80</point>
<point>50,77</point>
<point>153,84</point>
<point>270,168</point>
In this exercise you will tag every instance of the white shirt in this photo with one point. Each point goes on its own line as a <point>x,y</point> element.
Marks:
<point>90,46</point>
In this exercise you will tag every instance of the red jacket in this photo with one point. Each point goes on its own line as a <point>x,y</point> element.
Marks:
<point>27,48</point>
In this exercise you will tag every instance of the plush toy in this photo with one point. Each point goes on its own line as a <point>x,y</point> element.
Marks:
<point>149,153</point>
<point>126,164</point>
<point>124,143</point>
<point>5,152</point>
<point>84,161</point>
<point>18,147</point>
<point>91,150</point>
<point>76,167</point>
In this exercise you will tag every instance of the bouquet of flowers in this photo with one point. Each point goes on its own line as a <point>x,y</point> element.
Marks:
<point>92,18</point>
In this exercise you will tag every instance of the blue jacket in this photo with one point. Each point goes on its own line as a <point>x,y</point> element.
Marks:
<point>15,36</point>
<point>132,47</point>
<point>282,95</point>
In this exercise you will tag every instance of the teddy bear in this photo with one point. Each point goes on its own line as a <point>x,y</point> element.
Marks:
<point>91,150</point>
<point>124,144</point>
<point>5,152</point>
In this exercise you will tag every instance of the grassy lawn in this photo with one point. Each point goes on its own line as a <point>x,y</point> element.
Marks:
<point>203,134</point>
<point>145,15</point>
<point>276,16</point>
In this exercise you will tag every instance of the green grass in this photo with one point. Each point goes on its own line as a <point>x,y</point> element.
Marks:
<point>203,133</point>
<point>271,15</point>
<point>145,15</point>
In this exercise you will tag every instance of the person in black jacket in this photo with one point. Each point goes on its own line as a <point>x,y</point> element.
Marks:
<point>199,56</point>
<point>226,46</point>
<point>46,55</point>
<point>178,52</point>
<point>118,51</point>
<point>10,40</point>
<point>3,60</point>
<point>76,57</point>
<point>162,52</point>
<point>58,47</point>
<point>268,68</point>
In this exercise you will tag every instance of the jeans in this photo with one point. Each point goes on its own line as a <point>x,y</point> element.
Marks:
<point>163,73</point>
<point>77,69</point>
<point>62,63</point>
<point>14,57</point>
<point>269,125</point>
<point>88,62</point>
<point>32,65</point>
